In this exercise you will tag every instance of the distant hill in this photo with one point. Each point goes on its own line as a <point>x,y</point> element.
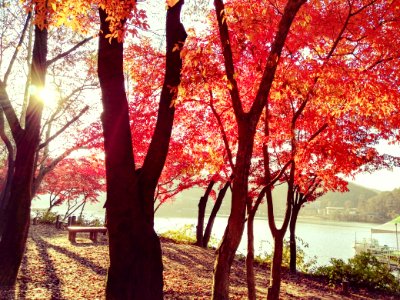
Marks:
<point>186,203</point>
<point>353,198</point>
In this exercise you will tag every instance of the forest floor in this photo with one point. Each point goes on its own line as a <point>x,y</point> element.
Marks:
<point>53,268</point>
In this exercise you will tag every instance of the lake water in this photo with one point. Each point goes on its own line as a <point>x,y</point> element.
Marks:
<point>325,239</point>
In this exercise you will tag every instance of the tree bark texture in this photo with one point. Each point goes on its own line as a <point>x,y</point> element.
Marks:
<point>202,211</point>
<point>251,286</point>
<point>213,215</point>
<point>158,149</point>
<point>13,239</point>
<point>292,230</point>
<point>5,192</point>
<point>275,277</point>
<point>234,230</point>
<point>135,270</point>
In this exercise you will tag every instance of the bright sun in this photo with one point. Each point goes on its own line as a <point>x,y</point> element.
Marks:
<point>47,95</point>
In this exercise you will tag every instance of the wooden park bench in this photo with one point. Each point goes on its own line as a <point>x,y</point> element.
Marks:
<point>93,231</point>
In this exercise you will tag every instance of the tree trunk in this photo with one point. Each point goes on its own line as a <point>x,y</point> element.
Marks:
<point>5,191</point>
<point>132,256</point>
<point>278,235</point>
<point>234,230</point>
<point>293,247</point>
<point>251,286</point>
<point>82,209</point>
<point>202,211</point>
<point>135,270</point>
<point>275,277</point>
<point>247,123</point>
<point>13,240</point>
<point>213,215</point>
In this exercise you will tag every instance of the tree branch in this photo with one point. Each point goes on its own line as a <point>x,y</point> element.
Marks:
<point>158,148</point>
<point>322,128</point>
<point>221,126</point>
<point>61,130</point>
<point>46,169</point>
<point>21,39</point>
<point>66,53</point>
<point>228,58</point>
<point>291,9</point>
<point>4,136</point>
<point>9,112</point>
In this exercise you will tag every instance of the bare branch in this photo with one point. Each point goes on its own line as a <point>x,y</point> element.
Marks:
<point>66,53</point>
<point>21,39</point>
<point>61,130</point>
<point>290,11</point>
<point>9,111</point>
<point>4,136</point>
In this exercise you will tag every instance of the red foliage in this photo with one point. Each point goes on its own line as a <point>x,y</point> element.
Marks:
<point>72,179</point>
<point>334,95</point>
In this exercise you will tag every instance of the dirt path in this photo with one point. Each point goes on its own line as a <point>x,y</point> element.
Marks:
<point>53,268</point>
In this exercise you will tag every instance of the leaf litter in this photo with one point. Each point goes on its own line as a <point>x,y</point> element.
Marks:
<point>54,268</point>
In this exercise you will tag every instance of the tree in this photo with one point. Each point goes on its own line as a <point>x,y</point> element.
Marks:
<point>302,103</point>
<point>25,133</point>
<point>14,236</point>
<point>135,253</point>
<point>196,156</point>
<point>340,140</point>
<point>201,214</point>
<point>247,124</point>
<point>76,181</point>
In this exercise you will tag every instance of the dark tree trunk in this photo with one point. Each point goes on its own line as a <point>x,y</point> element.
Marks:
<point>158,149</point>
<point>275,277</point>
<point>135,270</point>
<point>251,213</point>
<point>201,214</point>
<point>293,246</point>
<point>234,230</point>
<point>13,240</point>
<point>251,286</point>
<point>278,235</point>
<point>132,273</point>
<point>5,191</point>
<point>213,215</point>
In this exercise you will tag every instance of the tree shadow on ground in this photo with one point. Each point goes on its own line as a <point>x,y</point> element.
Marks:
<point>83,261</point>
<point>23,286</point>
<point>182,260</point>
<point>52,279</point>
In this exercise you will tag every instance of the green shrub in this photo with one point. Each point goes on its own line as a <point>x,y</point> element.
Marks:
<point>46,217</point>
<point>364,270</point>
<point>303,264</point>
<point>97,222</point>
<point>84,221</point>
<point>185,234</point>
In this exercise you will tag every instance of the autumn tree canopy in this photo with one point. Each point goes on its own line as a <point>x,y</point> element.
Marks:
<point>291,92</point>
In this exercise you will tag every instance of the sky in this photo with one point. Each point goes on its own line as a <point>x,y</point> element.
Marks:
<point>383,180</point>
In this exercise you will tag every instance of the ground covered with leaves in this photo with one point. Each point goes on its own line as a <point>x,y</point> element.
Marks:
<point>54,268</point>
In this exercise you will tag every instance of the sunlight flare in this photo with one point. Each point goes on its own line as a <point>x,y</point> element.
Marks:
<point>47,96</point>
